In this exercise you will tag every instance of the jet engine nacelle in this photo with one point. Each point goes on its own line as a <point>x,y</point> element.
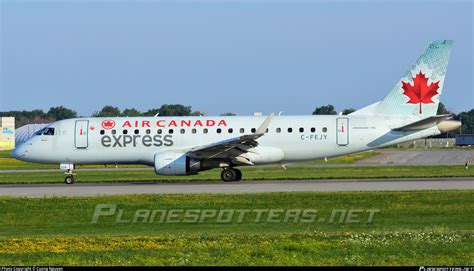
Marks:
<point>171,163</point>
<point>178,163</point>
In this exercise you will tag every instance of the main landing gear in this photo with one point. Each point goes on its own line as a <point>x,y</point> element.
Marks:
<point>231,175</point>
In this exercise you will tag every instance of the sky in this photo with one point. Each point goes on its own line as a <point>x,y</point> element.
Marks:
<point>224,56</point>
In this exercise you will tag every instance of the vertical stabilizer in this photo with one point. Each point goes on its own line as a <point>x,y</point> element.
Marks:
<point>419,90</point>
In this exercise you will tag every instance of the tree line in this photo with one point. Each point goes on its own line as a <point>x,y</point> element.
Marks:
<point>60,112</point>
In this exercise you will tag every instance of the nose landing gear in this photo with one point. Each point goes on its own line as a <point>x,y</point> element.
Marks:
<point>69,178</point>
<point>231,175</point>
<point>69,168</point>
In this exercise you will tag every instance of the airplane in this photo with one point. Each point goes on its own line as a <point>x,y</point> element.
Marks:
<point>187,145</point>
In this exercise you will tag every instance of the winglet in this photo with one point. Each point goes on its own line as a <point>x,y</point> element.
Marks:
<point>263,127</point>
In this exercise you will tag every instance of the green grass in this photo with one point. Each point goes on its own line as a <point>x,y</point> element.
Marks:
<point>411,228</point>
<point>419,148</point>
<point>260,173</point>
<point>346,159</point>
<point>5,154</point>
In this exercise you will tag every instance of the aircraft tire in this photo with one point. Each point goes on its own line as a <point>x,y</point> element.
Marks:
<point>229,175</point>
<point>69,180</point>
<point>239,175</point>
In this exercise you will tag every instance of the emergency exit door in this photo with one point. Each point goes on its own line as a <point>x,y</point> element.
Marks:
<point>81,134</point>
<point>342,138</point>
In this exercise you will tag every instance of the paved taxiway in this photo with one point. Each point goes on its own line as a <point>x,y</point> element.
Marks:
<point>419,157</point>
<point>78,189</point>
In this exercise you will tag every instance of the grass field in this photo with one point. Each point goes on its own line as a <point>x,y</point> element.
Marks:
<point>260,173</point>
<point>346,159</point>
<point>410,228</point>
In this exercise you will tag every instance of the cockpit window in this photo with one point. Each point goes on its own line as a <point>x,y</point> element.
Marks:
<point>40,132</point>
<point>49,131</point>
<point>45,131</point>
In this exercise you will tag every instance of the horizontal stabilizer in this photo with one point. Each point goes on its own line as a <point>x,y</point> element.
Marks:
<point>423,124</point>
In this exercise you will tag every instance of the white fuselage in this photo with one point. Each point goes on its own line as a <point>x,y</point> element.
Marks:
<point>138,139</point>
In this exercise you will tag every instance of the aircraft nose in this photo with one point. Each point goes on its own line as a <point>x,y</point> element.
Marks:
<point>18,152</point>
<point>14,153</point>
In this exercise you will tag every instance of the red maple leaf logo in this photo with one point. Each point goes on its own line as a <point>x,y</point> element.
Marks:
<point>420,92</point>
<point>108,124</point>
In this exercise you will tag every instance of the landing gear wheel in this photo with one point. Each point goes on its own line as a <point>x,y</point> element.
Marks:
<point>239,174</point>
<point>69,179</point>
<point>229,175</point>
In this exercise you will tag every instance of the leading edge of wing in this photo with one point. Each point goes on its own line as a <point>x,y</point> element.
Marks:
<point>248,139</point>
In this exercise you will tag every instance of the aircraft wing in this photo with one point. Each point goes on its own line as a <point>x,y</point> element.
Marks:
<point>232,148</point>
<point>423,124</point>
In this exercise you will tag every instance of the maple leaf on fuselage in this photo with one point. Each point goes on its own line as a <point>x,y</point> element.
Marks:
<point>420,92</point>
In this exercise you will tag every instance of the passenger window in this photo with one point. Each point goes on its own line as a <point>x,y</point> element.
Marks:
<point>301,130</point>
<point>313,129</point>
<point>148,131</point>
<point>194,131</point>
<point>137,131</point>
<point>114,132</point>
<point>266,131</point>
<point>325,129</point>
<point>125,132</point>
<point>219,130</point>
<point>102,132</point>
<point>242,130</point>
<point>49,131</point>
<point>170,131</point>
<point>290,130</point>
<point>159,131</point>
<point>205,130</point>
<point>231,130</point>
<point>182,131</point>
<point>253,130</point>
<point>278,130</point>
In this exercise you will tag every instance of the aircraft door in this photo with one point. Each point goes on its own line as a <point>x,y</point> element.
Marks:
<point>342,138</point>
<point>81,139</point>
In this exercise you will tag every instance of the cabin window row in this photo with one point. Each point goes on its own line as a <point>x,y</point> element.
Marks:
<point>218,130</point>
